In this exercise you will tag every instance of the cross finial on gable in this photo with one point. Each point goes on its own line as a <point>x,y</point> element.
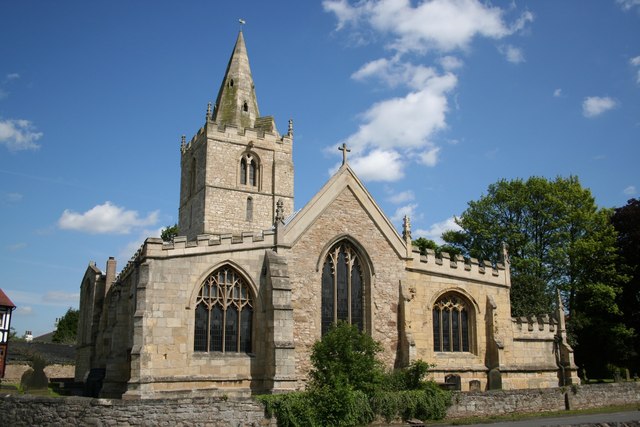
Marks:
<point>344,150</point>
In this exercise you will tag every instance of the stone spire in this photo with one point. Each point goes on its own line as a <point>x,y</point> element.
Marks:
<point>236,104</point>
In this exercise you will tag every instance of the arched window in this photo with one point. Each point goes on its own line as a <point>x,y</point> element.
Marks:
<point>245,107</point>
<point>249,170</point>
<point>451,321</point>
<point>224,313</point>
<point>243,171</point>
<point>249,209</point>
<point>342,287</point>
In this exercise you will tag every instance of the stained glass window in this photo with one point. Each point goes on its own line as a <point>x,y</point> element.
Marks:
<point>450,324</point>
<point>342,287</point>
<point>224,313</point>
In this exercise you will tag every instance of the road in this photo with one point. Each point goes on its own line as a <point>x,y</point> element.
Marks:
<point>615,419</point>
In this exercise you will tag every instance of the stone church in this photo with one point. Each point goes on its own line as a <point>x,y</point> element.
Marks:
<point>234,304</point>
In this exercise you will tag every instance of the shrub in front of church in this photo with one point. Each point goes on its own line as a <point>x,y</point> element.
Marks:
<point>348,386</point>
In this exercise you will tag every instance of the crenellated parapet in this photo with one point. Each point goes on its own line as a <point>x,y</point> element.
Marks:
<point>534,327</point>
<point>263,136</point>
<point>154,247</point>
<point>457,266</point>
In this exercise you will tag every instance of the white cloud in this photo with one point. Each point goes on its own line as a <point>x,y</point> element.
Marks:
<point>430,157</point>
<point>105,219</point>
<point>51,298</point>
<point>594,106</point>
<point>407,210</point>
<point>628,4</point>
<point>24,310</point>
<point>402,197</point>
<point>61,298</point>
<point>636,63</point>
<point>444,25</point>
<point>130,249</point>
<point>378,165</point>
<point>405,122</point>
<point>13,76</point>
<point>18,135</point>
<point>512,53</point>
<point>13,197</point>
<point>404,126</point>
<point>557,93</point>
<point>450,63</point>
<point>434,232</point>
<point>630,190</point>
<point>16,247</point>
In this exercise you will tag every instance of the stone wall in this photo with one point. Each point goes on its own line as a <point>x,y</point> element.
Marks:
<point>501,402</point>
<point>25,410</point>
<point>45,411</point>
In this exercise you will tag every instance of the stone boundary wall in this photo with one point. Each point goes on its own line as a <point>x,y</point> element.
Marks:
<point>501,402</point>
<point>25,410</point>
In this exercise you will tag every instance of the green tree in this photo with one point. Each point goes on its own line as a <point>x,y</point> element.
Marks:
<point>67,327</point>
<point>626,221</point>
<point>558,239</point>
<point>169,232</point>
<point>423,244</point>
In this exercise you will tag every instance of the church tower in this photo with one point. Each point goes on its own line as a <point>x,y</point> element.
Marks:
<point>237,167</point>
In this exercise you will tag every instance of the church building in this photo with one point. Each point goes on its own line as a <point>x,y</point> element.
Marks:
<point>233,305</point>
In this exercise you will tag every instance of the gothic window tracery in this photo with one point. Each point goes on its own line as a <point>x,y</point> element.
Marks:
<point>451,324</point>
<point>343,287</point>
<point>224,313</point>
<point>249,170</point>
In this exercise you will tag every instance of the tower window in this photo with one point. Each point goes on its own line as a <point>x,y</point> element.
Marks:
<point>224,313</point>
<point>245,107</point>
<point>249,170</point>
<point>230,82</point>
<point>249,209</point>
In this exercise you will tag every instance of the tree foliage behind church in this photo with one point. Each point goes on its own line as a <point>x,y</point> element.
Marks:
<point>558,239</point>
<point>67,327</point>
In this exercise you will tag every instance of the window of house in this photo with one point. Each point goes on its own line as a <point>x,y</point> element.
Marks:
<point>342,287</point>
<point>451,324</point>
<point>224,313</point>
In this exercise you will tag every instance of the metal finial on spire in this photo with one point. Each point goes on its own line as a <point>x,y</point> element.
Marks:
<point>242,22</point>
<point>344,150</point>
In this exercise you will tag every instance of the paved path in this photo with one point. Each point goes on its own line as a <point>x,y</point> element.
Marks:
<point>614,419</point>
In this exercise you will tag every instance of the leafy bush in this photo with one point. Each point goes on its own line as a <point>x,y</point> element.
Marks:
<point>348,387</point>
<point>346,355</point>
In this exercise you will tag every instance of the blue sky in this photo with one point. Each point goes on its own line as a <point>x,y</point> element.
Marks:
<point>437,100</point>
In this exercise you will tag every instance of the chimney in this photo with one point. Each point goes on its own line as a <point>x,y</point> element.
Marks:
<point>110,274</point>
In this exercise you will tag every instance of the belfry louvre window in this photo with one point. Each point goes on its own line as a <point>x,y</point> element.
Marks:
<point>450,324</point>
<point>342,287</point>
<point>248,171</point>
<point>224,313</point>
